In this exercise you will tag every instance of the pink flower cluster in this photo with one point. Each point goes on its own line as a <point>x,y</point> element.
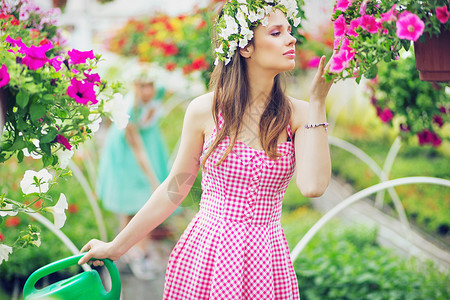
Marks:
<point>408,26</point>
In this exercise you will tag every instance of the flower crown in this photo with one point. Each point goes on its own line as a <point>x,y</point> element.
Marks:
<point>239,16</point>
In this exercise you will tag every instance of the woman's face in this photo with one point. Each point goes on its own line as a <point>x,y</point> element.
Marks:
<point>145,91</point>
<point>273,45</point>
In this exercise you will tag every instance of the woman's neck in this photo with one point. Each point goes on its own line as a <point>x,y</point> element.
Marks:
<point>261,84</point>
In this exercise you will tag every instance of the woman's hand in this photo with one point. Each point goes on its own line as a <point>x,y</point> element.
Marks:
<point>320,87</point>
<point>97,250</point>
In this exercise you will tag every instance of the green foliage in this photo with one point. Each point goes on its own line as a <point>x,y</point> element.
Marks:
<point>346,263</point>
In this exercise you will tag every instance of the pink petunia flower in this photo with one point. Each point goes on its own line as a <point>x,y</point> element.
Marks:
<point>93,78</point>
<point>391,15</point>
<point>340,26</point>
<point>409,26</point>
<point>369,23</point>
<point>63,141</point>
<point>56,62</point>
<point>4,76</point>
<point>438,120</point>
<point>442,14</point>
<point>80,57</point>
<point>35,57</point>
<point>342,5</point>
<point>428,137</point>
<point>353,25</point>
<point>363,8</point>
<point>82,92</point>
<point>339,62</point>
<point>16,43</point>
<point>386,115</point>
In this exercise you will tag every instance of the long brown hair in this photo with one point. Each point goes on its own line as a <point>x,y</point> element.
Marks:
<point>232,97</point>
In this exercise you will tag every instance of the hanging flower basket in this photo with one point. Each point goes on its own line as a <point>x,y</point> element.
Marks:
<point>432,58</point>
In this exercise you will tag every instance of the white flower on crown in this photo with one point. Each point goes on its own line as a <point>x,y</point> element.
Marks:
<point>241,18</point>
<point>231,27</point>
<point>242,1</point>
<point>244,9</point>
<point>265,21</point>
<point>219,49</point>
<point>247,33</point>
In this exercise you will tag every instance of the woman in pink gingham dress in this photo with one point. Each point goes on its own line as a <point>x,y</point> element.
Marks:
<point>249,139</point>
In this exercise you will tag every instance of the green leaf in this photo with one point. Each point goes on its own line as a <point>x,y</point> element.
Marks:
<point>37,110</point>
<point>50,136</point>
<point>372,72</point>
<point>47,160</point>
<point>45,147</point>
<point>22,99</point>
<point>20,156</point>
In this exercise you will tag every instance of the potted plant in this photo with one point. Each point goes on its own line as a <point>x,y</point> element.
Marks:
<point>368,32</point>
<point>414,107</point>
<point>52,101</point>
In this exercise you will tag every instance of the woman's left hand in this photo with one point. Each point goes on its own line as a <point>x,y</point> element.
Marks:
<point>320,87</point>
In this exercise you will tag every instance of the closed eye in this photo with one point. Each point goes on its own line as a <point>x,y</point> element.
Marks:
<point>275,33</point>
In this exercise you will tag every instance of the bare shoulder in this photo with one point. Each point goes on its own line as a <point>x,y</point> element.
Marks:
<point>299,113</point>
<point>199,112</point>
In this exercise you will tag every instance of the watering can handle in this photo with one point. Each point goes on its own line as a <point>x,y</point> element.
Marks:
<point>67,262</point>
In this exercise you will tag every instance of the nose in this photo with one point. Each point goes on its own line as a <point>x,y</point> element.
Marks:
<point>291,40</point>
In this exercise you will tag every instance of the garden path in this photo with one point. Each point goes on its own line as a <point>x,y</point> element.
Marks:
<point>390,231</point>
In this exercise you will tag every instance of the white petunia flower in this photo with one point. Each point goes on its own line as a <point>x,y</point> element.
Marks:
<point>7,210</point>
<point>242,1</point>
<point>233,46</point>
<point>260,13</point>
<point>219,49</point>
<point>297,21</point>
<point>95,125</point>
<point>37,242</point>
<point>33,154</point>
<point>64,157</point>
<point>216,62</point>
<point>243,43</point>
<point>118,107</point>
<point>28,185</point>
<point>59,215</point>
<point>241,18</point>
<point>231,25</point>
<point>4,252</point>
<point>247,33</point>
<point>265,21</point>
<point>244,9</point>
<point>252,16</point>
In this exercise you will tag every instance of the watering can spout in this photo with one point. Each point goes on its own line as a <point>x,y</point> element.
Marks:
<point>86,285</point>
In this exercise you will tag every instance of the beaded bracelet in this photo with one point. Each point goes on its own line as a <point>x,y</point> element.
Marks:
<point>308,126</point>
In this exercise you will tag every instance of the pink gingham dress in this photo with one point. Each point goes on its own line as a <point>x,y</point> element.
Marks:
<point>235,248</point>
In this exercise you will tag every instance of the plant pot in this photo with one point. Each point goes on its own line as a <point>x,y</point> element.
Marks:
<point>6,99</point>
<point>433,59</point>
<point>59,3</point>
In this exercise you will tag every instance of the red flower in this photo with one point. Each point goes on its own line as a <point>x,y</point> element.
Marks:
<point>12,221</point>
<point>5,16</point>
<point>63,141</point>
<point>199,64</point>
<point>442,14</point>
<point>438,120</point>
<point>38,204</point>
<point>73,208</point>
<point>2,237</point>
<point>169,49</point>
<point>386,115</point>
<point>201,25</point>
<point>15,22</point>
<point>170,66</point>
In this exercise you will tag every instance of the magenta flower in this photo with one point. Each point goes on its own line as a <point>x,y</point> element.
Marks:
<point>56,62</point>
<point>16,43</point>
<point>369,23</point>
<point>342,5</point>
<point>386,115</point>
<point>409,26</point>
<point>93,78</point>
<point>80,57</point>
<point>339,62</point>
<point>442,14</point>
<point>353,25</point>
<point>63,141</point>
<point>438,120</point>
<point>4,76</point>
<point>428,137</point>
<point>363,8</point>
<point>82,92</point>
<point>35,57</point>
<point>314,62</point>
<point>340,26</point>
<point>391,15</point>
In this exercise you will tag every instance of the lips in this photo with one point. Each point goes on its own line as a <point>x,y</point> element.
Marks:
<point>290,52</point>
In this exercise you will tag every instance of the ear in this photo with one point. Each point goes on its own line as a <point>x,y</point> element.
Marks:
<point>247,51</point>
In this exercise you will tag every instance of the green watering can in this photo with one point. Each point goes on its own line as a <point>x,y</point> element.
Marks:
<point>86,285</point>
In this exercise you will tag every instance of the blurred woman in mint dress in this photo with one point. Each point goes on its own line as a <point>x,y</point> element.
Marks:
<point>133,163</point>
